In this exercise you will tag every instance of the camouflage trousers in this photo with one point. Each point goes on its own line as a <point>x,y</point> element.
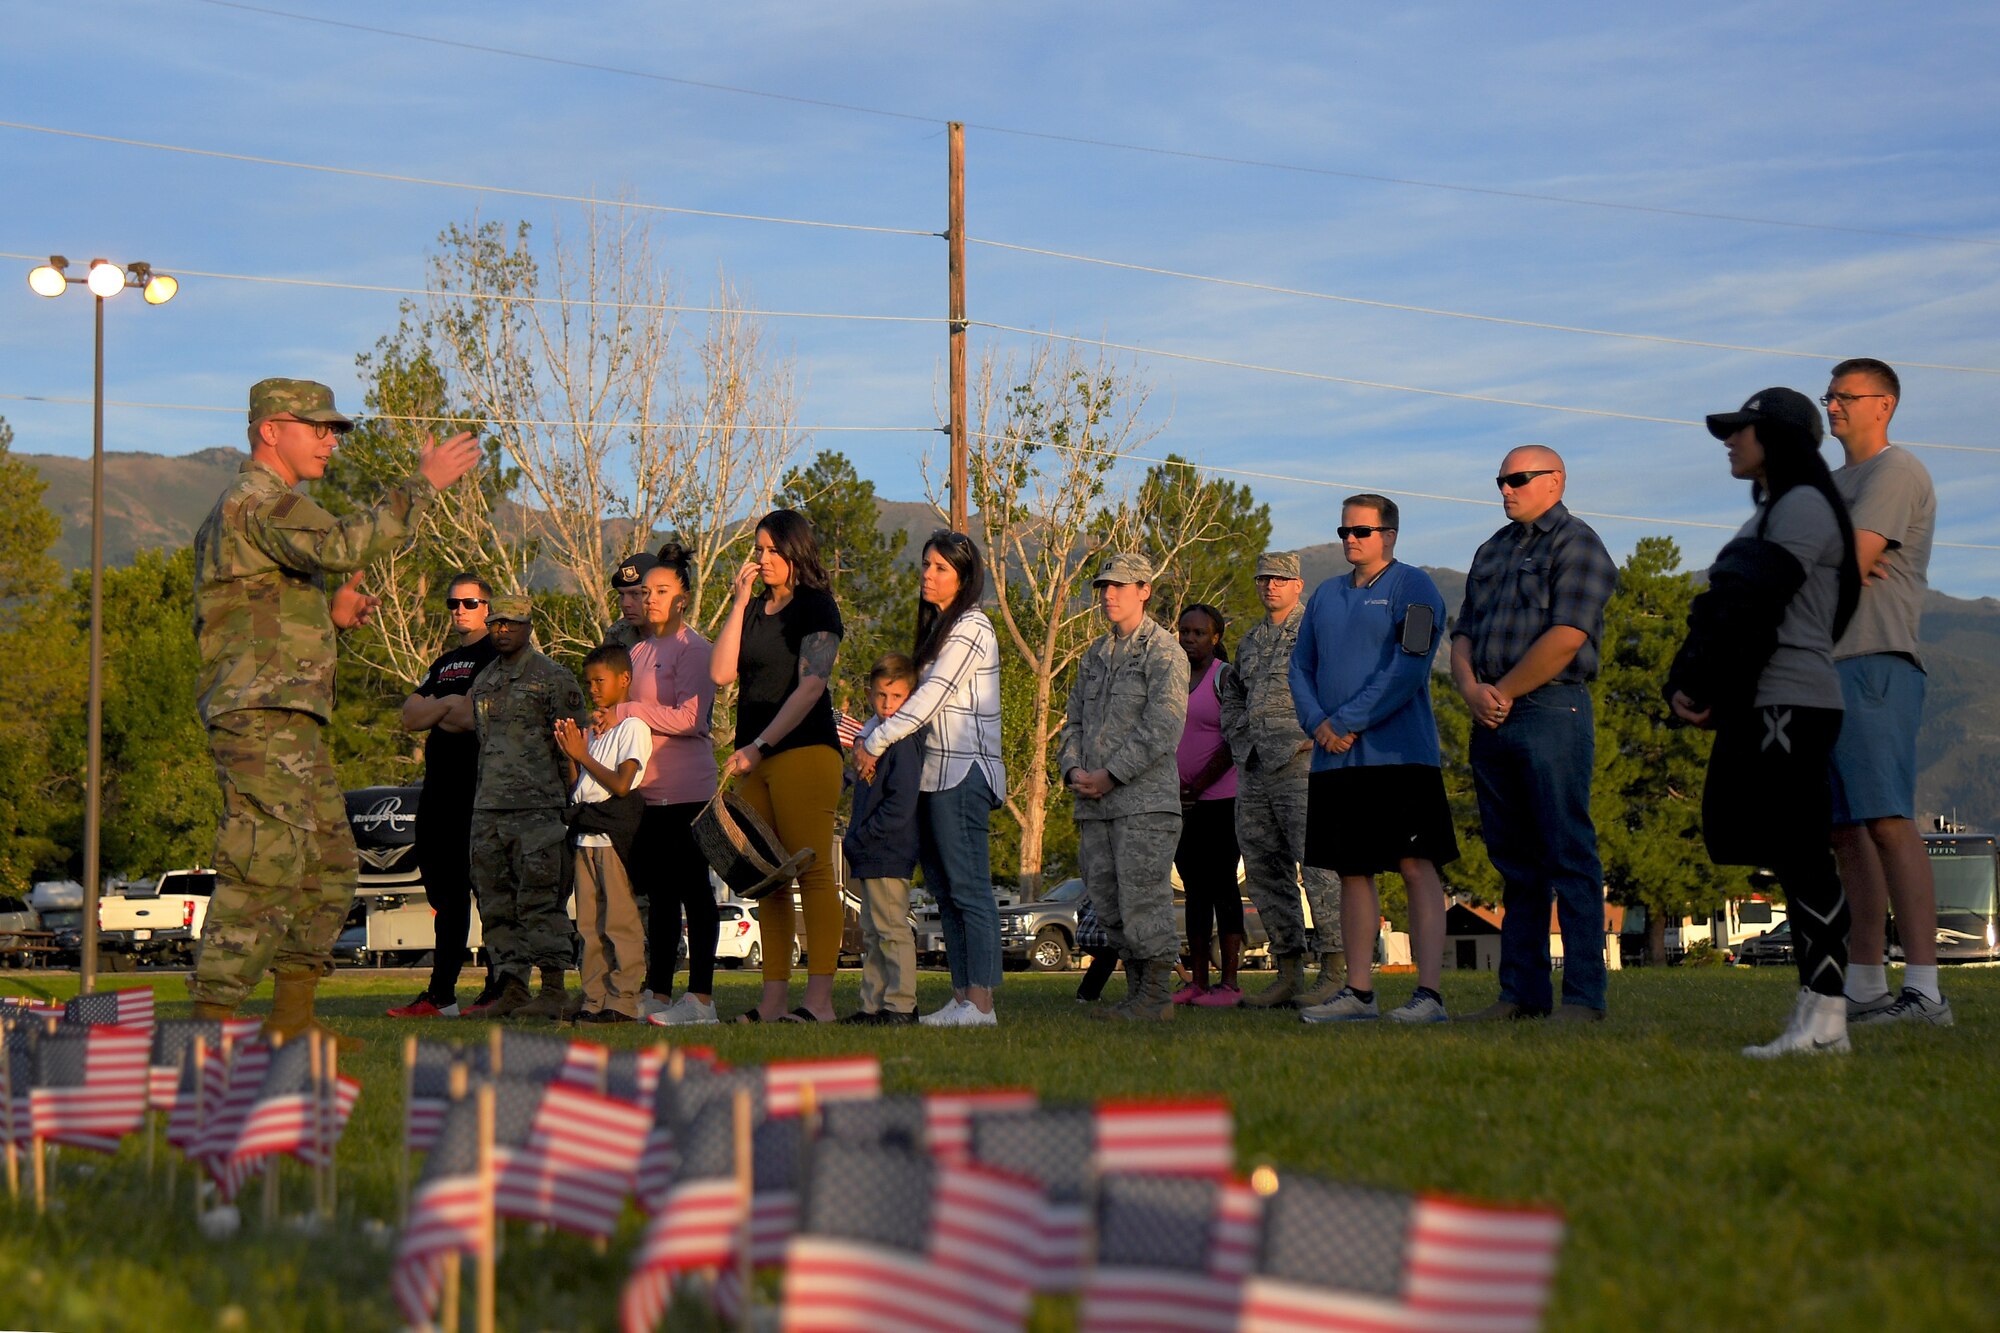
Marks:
<point>285,863</point>
<point>1271,831</point>
<point>521,875</point>
<point>1126,864</point>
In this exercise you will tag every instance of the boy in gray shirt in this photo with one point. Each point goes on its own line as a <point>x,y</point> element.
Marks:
<point>1875,835</point>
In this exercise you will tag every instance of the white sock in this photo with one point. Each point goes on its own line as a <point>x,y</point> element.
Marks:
<point>1870,981</point>
<point>1924,980</point>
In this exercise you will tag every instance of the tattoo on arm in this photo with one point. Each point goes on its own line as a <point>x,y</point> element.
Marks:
<point>816,654</point>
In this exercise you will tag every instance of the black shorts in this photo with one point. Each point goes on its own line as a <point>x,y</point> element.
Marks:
<point>1364,821</point>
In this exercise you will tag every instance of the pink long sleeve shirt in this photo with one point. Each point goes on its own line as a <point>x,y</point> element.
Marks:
<point>673,696</point>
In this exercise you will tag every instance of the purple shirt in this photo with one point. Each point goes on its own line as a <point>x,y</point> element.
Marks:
<point>1202,739</point>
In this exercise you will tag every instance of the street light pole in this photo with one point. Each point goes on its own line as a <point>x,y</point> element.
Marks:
<point>102,280</point>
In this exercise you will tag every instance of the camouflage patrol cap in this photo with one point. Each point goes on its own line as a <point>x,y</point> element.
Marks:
<point>304,399</point>
<point>511,606</point>
<point>1124,567</point>
<point>1277,565</point>
<point>632,570</point>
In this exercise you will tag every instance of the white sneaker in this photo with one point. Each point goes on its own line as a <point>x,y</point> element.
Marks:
<point>1913,1006</point>
<point>649,1005</point>
<point>1818,1026</point>
<point>1344,1007</point>
<point>1420,1009</point>
<point>1869,1011</point>
<point>684,1012</point>
<point>946,1017</point>
<point>971,1016</point>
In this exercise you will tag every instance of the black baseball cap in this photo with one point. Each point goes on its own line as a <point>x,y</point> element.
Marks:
<point>631,571</point>
<point>1783,405</point>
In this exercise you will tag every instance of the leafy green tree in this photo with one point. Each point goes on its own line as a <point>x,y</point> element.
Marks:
<point>1473,873</point>
<point>42,688</point>
<point>1650,769</point>
<point>1219,530</point>
<point>877,596</point>
<point>160,797</point>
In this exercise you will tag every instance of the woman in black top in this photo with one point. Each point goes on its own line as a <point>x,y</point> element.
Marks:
<point>779,645</point>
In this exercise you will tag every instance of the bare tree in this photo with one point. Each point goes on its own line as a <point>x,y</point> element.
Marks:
<point>1046,437</point>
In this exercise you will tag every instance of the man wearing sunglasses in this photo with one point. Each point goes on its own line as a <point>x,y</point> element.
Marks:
<point>1875,835</point>
<point>1522,654</point>
<point>264,622</point>
<point>441,708</point>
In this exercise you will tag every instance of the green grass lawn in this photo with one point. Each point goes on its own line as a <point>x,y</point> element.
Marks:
<point>1703,1190</point>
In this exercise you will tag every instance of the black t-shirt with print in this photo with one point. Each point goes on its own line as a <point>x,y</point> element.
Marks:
<point>767,668</point>
<point>451,759</point>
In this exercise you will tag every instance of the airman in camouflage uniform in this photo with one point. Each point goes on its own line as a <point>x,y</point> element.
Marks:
<point>264,624</point>
<point>520,856</point>
<point>629,582</point>
<point>1273,759</point>
<point>1116,751</point>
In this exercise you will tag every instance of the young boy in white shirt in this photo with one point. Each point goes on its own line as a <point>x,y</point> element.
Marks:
<point>606,767</point>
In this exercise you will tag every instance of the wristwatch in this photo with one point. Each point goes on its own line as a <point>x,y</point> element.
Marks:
<point>764,747</point>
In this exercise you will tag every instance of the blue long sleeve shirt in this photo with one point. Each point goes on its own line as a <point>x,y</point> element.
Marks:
<point>1349,668</point>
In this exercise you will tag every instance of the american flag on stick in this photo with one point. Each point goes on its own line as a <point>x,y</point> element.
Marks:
<point>893,1241</point>
<point>705,1218</point>
<point>209,1122</point>
<point>1066,1150</point>
<point>563,1155</point>
<point>1343,1259</point>
<point>132,1007</point>
<point>89,1086</point>
<point>173,1050</point>
<point>427,1084</point>
<point>1172,1253</point>
<point>450,1213</point>
<point>535,1057</point>
<point>289,1113</point>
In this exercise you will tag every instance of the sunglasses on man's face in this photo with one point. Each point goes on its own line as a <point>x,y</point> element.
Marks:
<point>463,603</point>
<point>1514,481</point>
<point>1361,530</point>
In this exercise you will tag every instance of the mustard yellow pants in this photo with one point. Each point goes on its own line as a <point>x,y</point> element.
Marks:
<point>796,791</point>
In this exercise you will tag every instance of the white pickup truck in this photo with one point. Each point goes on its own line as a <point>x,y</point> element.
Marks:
<point>156,924</point>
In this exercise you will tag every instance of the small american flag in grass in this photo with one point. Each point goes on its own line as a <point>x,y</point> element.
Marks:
<point>173,1051</point>
<point>449,1211</point>
<point>564,1155</point>
<point>132,1007</point>
<point>1172,1252</point>
<point>89,1086</point>
<point>893,1241</point>
<point>1343,1259</point>
<point>288,1115</point>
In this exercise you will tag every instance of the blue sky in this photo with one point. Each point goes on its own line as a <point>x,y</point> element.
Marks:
<point>1843,117</point>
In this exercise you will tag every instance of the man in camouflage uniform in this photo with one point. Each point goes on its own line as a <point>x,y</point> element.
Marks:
<point>520,853</point>
<point>629,582</point>
<point>1116,752</point>
<point>264,622</point>
<point>1273,758</point>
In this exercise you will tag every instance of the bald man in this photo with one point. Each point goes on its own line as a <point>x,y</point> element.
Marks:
<point>1523,652</point>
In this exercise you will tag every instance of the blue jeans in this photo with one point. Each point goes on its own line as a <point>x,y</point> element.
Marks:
<point>1533,778</point>
<point>952,844</point>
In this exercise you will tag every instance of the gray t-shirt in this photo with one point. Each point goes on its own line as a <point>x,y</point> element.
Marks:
<point>1801,671</point>
<point>1890,495</point>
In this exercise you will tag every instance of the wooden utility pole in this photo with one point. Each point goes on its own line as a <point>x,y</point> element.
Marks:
<point>955,241</point>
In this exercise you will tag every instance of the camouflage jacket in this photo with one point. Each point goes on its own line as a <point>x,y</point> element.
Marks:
<point>1126,713</point>
<point>623,633</point>
<point>262,621</point>
<point>1257,713</point>
<point>514,708</point>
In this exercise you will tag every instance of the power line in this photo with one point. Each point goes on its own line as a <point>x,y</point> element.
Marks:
<point>507,298</point>
<point>1115,145</point>
<point>1456,395</point>
<point>400,179</point>
<point>1448,314</point>
<point>1390,490</point>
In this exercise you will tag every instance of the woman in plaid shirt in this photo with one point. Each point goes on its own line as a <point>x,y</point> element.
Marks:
<point>958,699</point>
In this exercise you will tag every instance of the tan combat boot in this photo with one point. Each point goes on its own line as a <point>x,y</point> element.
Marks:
<point>1152,1001</point>
<point>292,1011</point>
<point>1134,969</point>
<point>1332,976</point>
<point>1281,992</point>
<point>209,1009</point>
<point>549,1001</point>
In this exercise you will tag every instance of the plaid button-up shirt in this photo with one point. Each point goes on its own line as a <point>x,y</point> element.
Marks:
<point>1529,577</point>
